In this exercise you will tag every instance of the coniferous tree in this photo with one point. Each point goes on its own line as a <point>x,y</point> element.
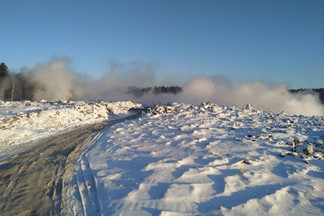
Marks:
<point>3,76</point>
<point>3,71</point>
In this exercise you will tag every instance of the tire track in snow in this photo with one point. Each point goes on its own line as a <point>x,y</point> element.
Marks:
<point>34,182</point>
<point>80,196</point>
<point>87,189</point>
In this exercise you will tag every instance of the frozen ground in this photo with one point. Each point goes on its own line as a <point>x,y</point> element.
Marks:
<point>24,122</point>
<point>181,159</point>
<point>203,160</point>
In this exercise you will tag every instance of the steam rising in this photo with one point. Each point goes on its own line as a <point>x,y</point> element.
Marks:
<point>263,96</point>
<point>56,81</point>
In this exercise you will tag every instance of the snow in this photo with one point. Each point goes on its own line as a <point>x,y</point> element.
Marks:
<point>21,123</point>
<point>204,160</point>
<point>182,159</point>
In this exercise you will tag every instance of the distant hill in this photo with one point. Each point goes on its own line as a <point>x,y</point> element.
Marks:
<point>319,91</point>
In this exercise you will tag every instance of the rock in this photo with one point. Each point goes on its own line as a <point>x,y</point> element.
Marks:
<point>294,154</point>
<point>169,109</point>
<point>308,150</point>
<point>249,107</point>
<point>39,111</point>
<point>245,162</point>
<point>162,110</point>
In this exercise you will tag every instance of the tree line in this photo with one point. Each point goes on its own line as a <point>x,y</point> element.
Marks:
<point>319,91</point>
<point>17,87</point>
<point>139,92</point>
<point>14,86</point>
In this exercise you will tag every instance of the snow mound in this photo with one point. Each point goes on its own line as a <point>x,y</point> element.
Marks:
<point>23,122</point>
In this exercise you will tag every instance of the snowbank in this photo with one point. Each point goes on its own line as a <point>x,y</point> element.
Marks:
<point>23,122</point>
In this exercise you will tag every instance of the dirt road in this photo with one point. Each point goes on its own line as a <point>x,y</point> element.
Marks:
<point>31,183</point>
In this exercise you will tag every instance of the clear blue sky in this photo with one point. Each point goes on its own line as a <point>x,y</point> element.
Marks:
<point>245,40</point>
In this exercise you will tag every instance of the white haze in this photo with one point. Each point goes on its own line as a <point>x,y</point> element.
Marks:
<point>56,81</point>
<point>262,95</point>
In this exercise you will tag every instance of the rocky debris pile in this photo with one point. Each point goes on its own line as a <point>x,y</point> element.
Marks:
<point>161,110</point>
<point>275,126</point>
<point>198,109</point>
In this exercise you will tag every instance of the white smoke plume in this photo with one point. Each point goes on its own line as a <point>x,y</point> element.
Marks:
<point>4,84</point>
<point>262,95</point>
<point>55,81</point>
<point>114,84</point>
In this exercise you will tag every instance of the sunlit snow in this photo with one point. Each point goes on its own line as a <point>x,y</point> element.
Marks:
<point>183,159</point>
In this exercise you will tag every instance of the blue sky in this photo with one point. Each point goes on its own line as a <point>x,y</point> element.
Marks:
<point>274,40</point>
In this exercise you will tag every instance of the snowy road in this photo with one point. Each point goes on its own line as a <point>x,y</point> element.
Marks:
<point>33,182</point>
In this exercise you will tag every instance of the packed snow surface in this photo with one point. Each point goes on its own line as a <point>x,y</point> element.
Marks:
<point>203,160</point>
<point>24,122</point>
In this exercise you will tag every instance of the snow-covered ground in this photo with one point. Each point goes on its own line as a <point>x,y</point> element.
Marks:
<point>24,122</point>
<point>182,159</point>
<point>203,160</point>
